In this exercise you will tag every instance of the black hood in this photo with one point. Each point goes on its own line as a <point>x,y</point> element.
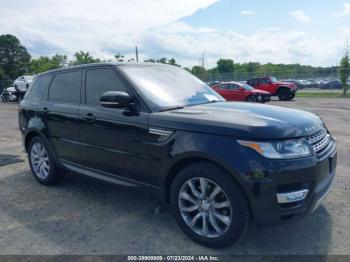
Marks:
<point>240,120</point>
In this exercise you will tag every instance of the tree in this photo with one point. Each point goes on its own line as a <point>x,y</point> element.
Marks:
<point>43,63</point>
<point>225,66</point>
<point>84,58</point>
<point>14,58</point>
<point>162,60</point>
<point>344,72</point>
<point>198,70</point>
<point>2,74</point>
<point>150,60</point>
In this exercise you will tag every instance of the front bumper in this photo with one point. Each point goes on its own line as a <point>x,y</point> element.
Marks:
<point>283,177</point>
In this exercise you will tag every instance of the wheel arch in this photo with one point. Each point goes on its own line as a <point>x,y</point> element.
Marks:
<point>33,133</point>
<point>28,137</point>
<point>186,161</point>
<point>281,88</point>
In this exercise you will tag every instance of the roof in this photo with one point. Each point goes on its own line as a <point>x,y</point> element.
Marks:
<point>101,64</point>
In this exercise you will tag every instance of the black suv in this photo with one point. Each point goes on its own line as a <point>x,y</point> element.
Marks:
<point>219,164</point>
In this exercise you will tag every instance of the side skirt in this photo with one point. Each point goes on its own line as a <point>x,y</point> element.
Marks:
<point>111,178</point>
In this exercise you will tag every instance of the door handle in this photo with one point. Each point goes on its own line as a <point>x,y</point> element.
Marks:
<point>46,110</point>
<point>89,117</point>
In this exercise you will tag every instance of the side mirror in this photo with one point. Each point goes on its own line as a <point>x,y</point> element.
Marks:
<point>116,99</point>
<point>241,89</point>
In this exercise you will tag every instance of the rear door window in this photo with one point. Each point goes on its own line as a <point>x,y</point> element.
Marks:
<point>65,87</point>
<point>264,81</point>
<point>253,82</point>
<point>39,90</point>
<point>233,87</point>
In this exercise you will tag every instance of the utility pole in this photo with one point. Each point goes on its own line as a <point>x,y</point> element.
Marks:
<point>137,54</point>
<point>203,58</point>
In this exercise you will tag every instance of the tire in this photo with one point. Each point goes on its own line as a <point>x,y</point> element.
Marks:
<point>46,173</point>
<point>237,209</point>
<point>251,99</point>
<point>292,96</point>
<point>283,94</point>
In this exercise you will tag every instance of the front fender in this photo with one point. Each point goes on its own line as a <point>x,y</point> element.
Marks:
<point>186,147</point>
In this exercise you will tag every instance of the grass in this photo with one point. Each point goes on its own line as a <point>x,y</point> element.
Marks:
<point>322,94</point>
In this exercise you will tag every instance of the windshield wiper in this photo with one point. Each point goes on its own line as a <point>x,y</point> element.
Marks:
<point>171,108</point>
<point>209,102</point>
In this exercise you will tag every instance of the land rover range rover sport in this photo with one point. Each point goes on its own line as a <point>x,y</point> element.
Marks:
<point>219,164</point>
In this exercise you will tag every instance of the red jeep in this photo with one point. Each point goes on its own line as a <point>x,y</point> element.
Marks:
<point>237,91</point>
<point>284,90</point>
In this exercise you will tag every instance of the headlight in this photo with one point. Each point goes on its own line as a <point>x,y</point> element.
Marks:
<point>280,149</point>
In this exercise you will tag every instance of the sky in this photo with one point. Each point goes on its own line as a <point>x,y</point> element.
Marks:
<point>309,32</point>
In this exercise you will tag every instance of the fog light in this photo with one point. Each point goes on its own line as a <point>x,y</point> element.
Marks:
<point>292,196</point>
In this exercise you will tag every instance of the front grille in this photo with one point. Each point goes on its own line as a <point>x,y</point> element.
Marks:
<point>319,141</point>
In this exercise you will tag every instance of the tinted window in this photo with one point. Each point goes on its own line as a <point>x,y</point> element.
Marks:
<point>99,81</point>
<point>264,81</point>
<point>39,89</point>
<point>65,87</point>
<point>253,82</point>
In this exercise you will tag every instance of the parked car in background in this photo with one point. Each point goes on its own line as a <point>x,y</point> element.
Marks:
<point>9,94</point>
<point>284,90</point>
<point>238,91</point>
<point>307,83</point>
<point>213,83</point>
<point>332,84</point>
<point>21,85</point>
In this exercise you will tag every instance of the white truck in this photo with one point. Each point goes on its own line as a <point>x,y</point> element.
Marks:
<point>21,85</point>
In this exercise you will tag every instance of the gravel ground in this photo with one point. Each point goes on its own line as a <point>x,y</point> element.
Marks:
<point>82,216</point>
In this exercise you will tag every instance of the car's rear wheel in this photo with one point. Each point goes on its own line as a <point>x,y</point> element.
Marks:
<point>209,206</point>
<point>284,94</point>
<point>42,163</point>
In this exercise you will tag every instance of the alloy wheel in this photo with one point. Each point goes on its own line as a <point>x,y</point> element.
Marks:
<point>205,207</point>
<point>40,160</point>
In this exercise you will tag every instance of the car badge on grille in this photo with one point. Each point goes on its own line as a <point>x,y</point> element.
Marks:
<point>313,128</point>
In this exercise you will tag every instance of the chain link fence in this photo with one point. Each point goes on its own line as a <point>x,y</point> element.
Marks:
<point>324,79</point>
<point>327,78</point>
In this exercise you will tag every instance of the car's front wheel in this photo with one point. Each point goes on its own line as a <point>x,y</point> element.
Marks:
<point>284,94</point>
<point>42,163</point>
<point>209,206</point>
<point>251,99</point>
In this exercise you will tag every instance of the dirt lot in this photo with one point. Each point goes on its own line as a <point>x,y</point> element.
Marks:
<point>83,216</point>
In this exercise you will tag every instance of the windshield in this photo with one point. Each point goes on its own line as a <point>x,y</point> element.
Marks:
<point>273,79</point>
<point>247,87</point>
<point>167,87</point>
